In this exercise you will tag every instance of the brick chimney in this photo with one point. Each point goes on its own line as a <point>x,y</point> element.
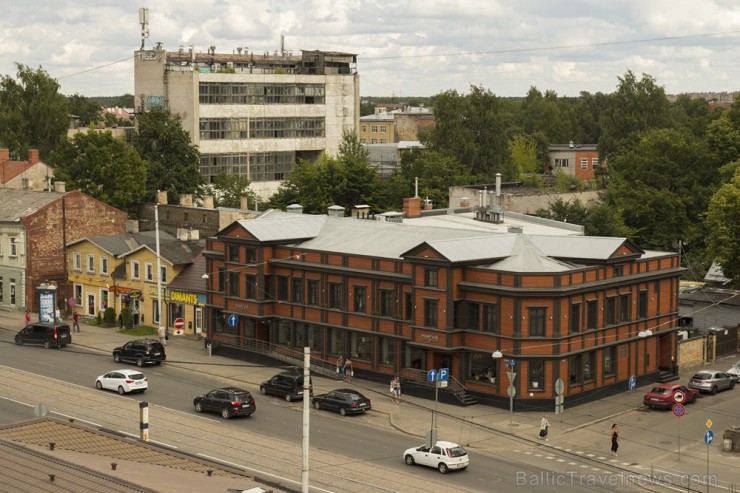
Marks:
<point>208,202</point>
<point>4,155</point>
<point>162,198</point>
<point>186,199</point>
<point>33,156</point>
<point>412,206</point>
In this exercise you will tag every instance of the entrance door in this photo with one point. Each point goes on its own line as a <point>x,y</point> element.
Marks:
<point>442,360</point>
<point>91,305</point>
<point>198,320</point>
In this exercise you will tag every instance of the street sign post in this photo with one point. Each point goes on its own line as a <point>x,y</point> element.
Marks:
<point>233,320</point>
<point>432,375</point>
<point>559,398</point>
<point>444,374</point>
<point>679,397</point>
<point>179,324</point>
<point>708,439</point>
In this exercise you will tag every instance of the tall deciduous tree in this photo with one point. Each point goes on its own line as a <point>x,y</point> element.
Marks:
<point>33,114</point>
<point>103,167</point>
<point>87,110</point>
<point>523,153</point>
<point>228,190</point>
<point>723,224</point>
<point>173,163</point>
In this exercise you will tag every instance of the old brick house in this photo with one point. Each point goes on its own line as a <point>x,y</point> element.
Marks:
<point>32,174</point>
<point>34,229</point>
<point>401,298</point>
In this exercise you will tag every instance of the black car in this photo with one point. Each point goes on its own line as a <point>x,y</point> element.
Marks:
<point>344,401</point>
<point>287,385</point>
<point>46,334</point>
<point>140,351</point>
<point>229,401</point>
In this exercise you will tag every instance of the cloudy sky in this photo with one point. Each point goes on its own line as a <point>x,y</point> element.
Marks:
<point>404,47</point>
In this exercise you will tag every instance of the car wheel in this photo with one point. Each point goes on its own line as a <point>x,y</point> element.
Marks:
<point>263,390</point>
<point>225,413</point>
<point>342,411</point>
<point>714,390</point>
<point>198,407</point>
<point>288,397</point>
<point>409,459</point>
<point>142,391</point>
<point>443,468</point>
<point>732,384</point>
<point>19,341</point>
<point>139,361</point>
<point>117,358</point>
<point>693,399</point>
<point>157,363</point>
<point>98,385</point>
<point>316,405</point>
<point>120,390</point>
<point>47,344</point>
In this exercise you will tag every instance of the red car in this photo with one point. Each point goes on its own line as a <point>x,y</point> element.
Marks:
<point>661,396</point>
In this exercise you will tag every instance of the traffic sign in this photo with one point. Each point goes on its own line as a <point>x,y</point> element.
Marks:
<point>679,410</point>
<point>432,375</point>
<point>559,386</point>
<point>72,301</point>
<point>179,323</point>
<point>678,397</point>
<point>233,320</point>
<point>633,382</point>
<point>708,437</point>
<point>444,374</point>
<point>708,423</point>
<point>511,390</point>
<point>512,362</point>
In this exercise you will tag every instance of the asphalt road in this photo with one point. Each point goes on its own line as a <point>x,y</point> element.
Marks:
<point>358,453</point>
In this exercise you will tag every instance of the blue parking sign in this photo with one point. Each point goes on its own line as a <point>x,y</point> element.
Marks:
<point>444,374</point>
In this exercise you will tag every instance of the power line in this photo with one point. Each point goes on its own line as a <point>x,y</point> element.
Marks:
<point>552,48</point>
<point>95,68</point>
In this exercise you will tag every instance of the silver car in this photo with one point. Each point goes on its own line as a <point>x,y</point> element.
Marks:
<point>711,381</point>
<point>734,372</point>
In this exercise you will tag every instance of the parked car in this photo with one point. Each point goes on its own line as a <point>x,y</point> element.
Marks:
<point>124,381</point>
<point>443,456</point>
<point>711,381</point>
<point>661,396</point>
<point>343,401</point>
<point>47,334</point>
<point>287,385</point>
<point>228,401</point>
<point>140,351</point>
<point>734,372</point>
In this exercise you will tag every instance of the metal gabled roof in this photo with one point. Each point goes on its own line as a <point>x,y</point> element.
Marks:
<point>21,203</point>
<point>120,244</point>
<point>578,247</point>
<point>288,226</point>
<point>526,257</point>
<point>482,248</point>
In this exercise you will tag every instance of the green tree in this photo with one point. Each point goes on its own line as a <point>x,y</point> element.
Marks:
<point>86,109</point>
<point>173,163</point>
<point>523,153</point>
<point>362,179</point>
<point>316,186</point>
<point>228,190</point>
<point>33,114</point>
<point>636,106</point>
<point>722,221</point>
<point>103,167</point>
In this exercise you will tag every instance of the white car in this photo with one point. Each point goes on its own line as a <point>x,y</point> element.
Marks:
<point>123,381</point>
<point>442,456</point>
<point>735,372</point>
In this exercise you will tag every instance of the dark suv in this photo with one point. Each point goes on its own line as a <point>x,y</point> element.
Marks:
<point>47,334</point>
<point>287,385</point>
<point>140,351</point>
<point>228,401</point>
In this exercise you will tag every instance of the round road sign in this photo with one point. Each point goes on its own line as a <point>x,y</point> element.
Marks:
<point>679,410</point>
<point>72,301</point>
<point>679,397</point>
<point>179,323</point>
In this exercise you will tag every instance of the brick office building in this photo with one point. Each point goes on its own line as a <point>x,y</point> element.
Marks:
<point>591,311</point>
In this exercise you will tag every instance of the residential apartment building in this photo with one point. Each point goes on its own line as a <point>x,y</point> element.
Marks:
<point>577,160</point>
<point>405,299</point>
<point>377,129</point>
<point>253,115</point>
<point>34,229</point>
<point>119,270</point>
<point>389,127</point>
<point>32,174</point>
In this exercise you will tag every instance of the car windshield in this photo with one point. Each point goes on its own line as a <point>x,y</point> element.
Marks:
<point>702,376</point>
<point>458,451</point>
<point>243,397</point>
<point>659,390</point>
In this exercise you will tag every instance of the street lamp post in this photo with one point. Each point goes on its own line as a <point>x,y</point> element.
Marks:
<point>511,390</point>
<point>159,266</point>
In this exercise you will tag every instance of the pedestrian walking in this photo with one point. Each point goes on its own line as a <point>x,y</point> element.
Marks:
<point>28,317</point>
<point>76,322</point>
<point>396,389</point>
<point>340,366</point>
<point>348,372</point>
<point>615,439</point>
<point>57,315</point>
<point>120,321</point>
<point>163,335</point>
<point>544,428</point>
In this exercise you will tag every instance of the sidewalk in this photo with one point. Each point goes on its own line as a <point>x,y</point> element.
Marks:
<point>581,429</point>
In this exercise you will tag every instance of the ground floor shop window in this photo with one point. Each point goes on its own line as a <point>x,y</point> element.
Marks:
<point>387,350</point>
<point>315,337</point>
<point>482,368</point>
<point>337,341</point>
<point>284,333</point>
<point>360,346</point>
<point>414,358</point>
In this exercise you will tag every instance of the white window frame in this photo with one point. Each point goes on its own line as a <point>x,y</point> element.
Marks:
<point>135,270</point>
<point>13,246</point>
<point>584,163</point>
<point>77,261</point>
<point>373,129</point>
<point>90,263</point>
<point>163,273</point>
<point>90,306</point>
<point>78,290</point>
<point>383,129</point>
<point>102,298</point>
<point>149,272</point>
<point>103,266</point>
<point>594,162</point>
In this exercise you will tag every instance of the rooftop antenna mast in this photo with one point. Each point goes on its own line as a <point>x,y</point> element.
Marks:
<point>144,21</point>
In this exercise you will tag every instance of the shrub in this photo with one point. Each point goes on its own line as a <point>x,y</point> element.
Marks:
<point>110,316</point>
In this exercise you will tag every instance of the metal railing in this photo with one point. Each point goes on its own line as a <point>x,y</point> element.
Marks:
<point>419,377</point>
